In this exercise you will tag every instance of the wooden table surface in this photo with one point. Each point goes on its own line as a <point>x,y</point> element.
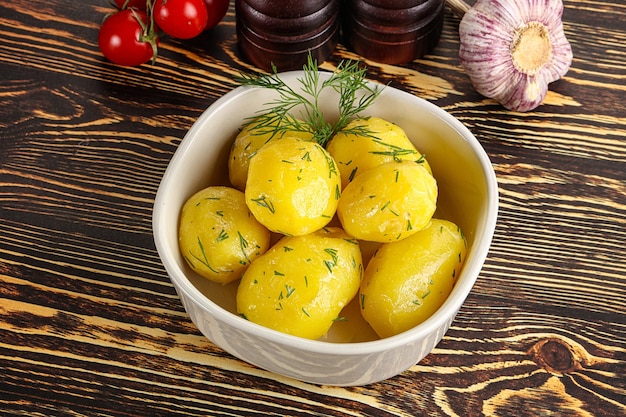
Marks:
<point>91,325</point>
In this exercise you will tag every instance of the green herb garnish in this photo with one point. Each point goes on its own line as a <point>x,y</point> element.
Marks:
<point>330,264</point>
<point>299,109</point>
<point>289,290</point>
<point>223,235</point>
<point>204,259</point>
<point>263,202</point>
<point>243,245</point>
<point>396,152</point>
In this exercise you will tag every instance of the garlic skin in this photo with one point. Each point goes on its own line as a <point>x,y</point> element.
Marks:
<point>512,49</point>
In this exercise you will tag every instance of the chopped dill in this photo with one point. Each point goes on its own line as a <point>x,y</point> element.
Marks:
<point>223,235</point>
<point>298,109</point>
<point>289,290</point>
<point>243,244</point>
<point>204,260</point>
<point>394,151</point>
<point>264,202</point>
<point>330,264</point>
<point>352,174</point>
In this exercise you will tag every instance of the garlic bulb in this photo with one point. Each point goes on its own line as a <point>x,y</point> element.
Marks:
<point>512,49</point>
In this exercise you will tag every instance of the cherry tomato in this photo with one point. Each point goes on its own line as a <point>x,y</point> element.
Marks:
<point>182,19</point>
<point>137,4</point>
<point>123,40</point>
<point>217,10</point>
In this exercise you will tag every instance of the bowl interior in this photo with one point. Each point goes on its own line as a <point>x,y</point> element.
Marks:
<point>467,187</point>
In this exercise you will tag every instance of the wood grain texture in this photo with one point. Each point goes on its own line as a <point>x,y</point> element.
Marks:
<point>90,324</point>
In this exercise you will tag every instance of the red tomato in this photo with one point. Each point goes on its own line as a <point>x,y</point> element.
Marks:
<point>137,4</point>
<point>217,10</point>
<point>123,40</point>
<point>183,19</point>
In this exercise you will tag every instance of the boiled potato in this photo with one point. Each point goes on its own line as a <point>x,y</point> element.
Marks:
<point>293,186</point>
<point>388,202</point>
<point>252,137</point>
<point>218,236</point>
<point>350,327</point>
<point>302,283</point>
<point>367,142</point>
<point>407,281</point>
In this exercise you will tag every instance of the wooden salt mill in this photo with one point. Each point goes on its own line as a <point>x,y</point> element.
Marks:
<point>392,31</point>
<point>283,32</point>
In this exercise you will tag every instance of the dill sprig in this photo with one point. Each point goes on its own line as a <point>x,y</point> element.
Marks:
<point>299,109</point>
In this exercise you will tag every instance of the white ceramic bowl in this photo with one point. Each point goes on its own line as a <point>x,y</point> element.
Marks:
<point>468,196</point>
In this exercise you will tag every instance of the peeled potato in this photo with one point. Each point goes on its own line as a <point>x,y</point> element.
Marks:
<point>405,282</point>
<point>293,186</point>
<point>388,202</point>
<point>248,142</point>
<point>380,141</point>
<point>218,236</point>
<point>302,283</point>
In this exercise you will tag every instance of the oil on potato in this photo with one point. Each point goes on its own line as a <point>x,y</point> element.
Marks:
<point>388,202</point>
<point>370,141</point>
<point>218,236</point>
<point>293,186</point>
<point>405,282</point>
<point>250,139</point>
<point>381,193</point>
<point>302,283</point>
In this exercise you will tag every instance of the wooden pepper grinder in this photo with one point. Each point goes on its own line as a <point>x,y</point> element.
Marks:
<point>392,31</point>
<point>283,32</point>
